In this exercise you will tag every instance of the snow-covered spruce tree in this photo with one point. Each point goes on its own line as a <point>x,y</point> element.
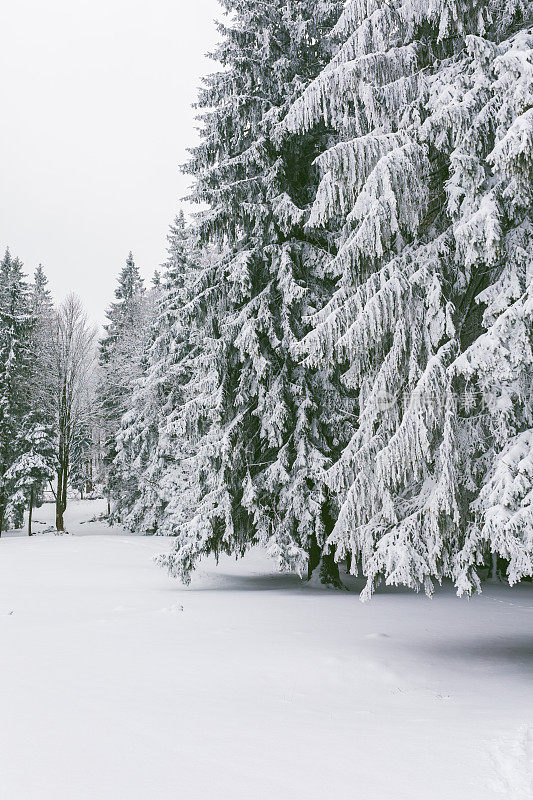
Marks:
<point>495,372</point>
<point>425,188</point>
<point>255,418</point>
<point>35,466</point>
<point>41,380</point>
<point>122,353</point>
<point>15,335</point>
<point>28,433</point>
<point>150,452</point>
<point>36,442</point>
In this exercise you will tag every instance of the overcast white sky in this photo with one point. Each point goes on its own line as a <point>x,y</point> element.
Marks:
<point>95,100</point>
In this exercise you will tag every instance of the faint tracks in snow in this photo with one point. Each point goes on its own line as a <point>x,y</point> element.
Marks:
<point>509,603</point>
<point>177,608</point>
<point>512,761</point>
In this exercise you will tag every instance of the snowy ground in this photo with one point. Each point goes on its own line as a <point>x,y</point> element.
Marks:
<point>118,683</point>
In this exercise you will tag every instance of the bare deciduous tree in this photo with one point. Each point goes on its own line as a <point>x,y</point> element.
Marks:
<point>74,352</point>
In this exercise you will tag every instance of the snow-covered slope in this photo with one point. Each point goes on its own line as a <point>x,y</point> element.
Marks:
<point>117,682</point>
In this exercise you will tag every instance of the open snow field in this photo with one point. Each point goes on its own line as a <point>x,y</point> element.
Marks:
<point>118,683</point>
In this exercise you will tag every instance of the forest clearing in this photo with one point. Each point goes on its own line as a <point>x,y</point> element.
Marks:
<point>119,682</point>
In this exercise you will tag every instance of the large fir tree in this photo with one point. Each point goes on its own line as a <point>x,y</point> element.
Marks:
<point>341,360</point>
<point>151,448</point>
<point>122,353</point>
<point>256,419</point>
<point>425,186</point>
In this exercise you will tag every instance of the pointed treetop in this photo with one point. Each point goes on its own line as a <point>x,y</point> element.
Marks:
<point>40,292</point>
<point>7,263</point>
<point>130,282</point>
<point>40,280</point>
<point>13,285</point>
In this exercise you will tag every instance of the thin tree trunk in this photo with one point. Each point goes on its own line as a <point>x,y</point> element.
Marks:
<point>59,500</point>
<point>59,518</point>
<point>65,483</point>
<point>60,525</point>
<point>30,512</point>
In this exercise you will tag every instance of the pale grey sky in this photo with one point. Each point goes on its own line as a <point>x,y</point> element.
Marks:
<point>95,101</point>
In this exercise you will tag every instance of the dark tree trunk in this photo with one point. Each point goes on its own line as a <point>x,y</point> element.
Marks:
<point>62,483</point>
<point>495,572</point>
<point>329,569</point>
<point>90,483</point>
<point>60,525</point>
<point>64,498</point>
<point>3,506</point>
<point>30,512</point>
<point>314,557</point>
